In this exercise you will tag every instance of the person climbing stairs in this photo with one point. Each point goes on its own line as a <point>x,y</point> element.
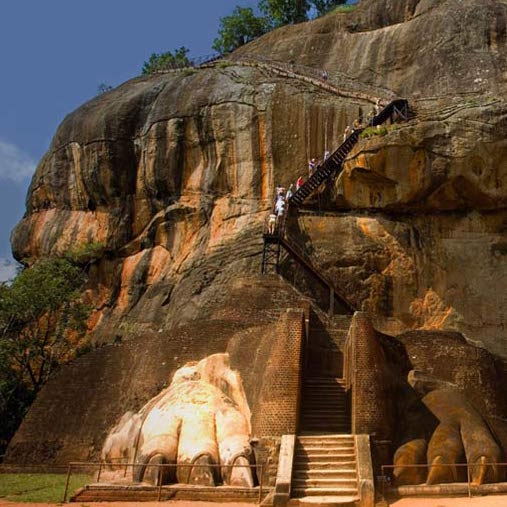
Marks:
<point>334,164</point>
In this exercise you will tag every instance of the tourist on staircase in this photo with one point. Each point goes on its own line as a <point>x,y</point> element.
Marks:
<point>327,154</point>
<point>280,212</point>
<point>347,133</point>
<point>299,183</point>
<point>311,167</point>
<point>271,224</point>
<point>289,193</point>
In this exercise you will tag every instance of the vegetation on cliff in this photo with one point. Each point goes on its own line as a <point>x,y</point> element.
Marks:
<point>167,60</point>
<point>41,321</point>
<point>243,25</point>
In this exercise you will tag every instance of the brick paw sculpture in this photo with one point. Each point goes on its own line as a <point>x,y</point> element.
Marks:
<point>201,419</point>
<point>461,436</point>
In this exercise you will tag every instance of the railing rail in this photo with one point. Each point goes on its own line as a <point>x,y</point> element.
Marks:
<point>386,476</point>
<point>259,469</point>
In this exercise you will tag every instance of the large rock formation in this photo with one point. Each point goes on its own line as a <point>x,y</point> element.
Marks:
<point>173,175</point>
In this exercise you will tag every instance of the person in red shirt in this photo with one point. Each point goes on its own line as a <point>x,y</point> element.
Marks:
<point>299,183</point>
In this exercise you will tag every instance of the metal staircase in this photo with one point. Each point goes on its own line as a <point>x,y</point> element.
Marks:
<point>334,164</point>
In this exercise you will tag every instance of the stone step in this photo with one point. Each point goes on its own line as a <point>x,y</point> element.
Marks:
<point>319,424</point>
<point>328,411</point>
<point>336,436</point>
<point>343,428</point>
<point>324,443</point>
<point>324,450</point>
<point>328,501</point>
<point>324,473</point>
<point>341,491</point>
<point>323,382</point>
<point>326,391</point>
<point>321,464</point>
<point>345,469</point>
<point>319,433</point>
<point>325,406</point>
<point>325,412</point>
<point>314,398</point>
<point>319,457</point>
<point>332,391</point>
<point>328,421</point>
<point>332,482</point>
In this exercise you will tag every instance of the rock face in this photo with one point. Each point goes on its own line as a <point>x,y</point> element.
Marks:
<point>173,174</point>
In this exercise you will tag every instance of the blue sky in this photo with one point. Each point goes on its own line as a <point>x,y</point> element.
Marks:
<point>55,53</point>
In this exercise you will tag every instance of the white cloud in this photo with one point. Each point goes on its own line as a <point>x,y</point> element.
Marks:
<point>14,164</point>
<point>8,269</point>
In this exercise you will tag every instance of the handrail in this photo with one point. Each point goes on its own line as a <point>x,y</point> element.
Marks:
<point>334,163</point>
<point>442,465</point>
<point>307,263</point>
<point>259,468</point>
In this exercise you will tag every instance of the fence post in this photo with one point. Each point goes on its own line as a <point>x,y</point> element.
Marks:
<point>159,483</point>
<point>67,483</point>
<point>260,485</point>
<point>100,471</point>
<point>468,482</point>
<point>383,482</point>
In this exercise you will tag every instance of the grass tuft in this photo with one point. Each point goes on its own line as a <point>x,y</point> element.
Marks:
<point>344,8</point>
<point>373,132</point>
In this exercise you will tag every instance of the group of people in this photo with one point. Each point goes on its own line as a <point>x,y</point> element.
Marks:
<point>279,209</point>
<point>313,164</point>
<point>357,124</point>
<point>282,197</point>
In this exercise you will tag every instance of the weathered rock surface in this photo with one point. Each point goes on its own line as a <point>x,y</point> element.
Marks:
<point>174,175</point>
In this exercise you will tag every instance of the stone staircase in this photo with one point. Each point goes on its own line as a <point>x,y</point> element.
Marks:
<point>324,408</point>
<point>325,465</point>
<point>325,470</point>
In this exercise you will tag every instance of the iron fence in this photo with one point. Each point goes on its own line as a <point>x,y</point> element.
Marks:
<point>99,466</point>
<point>386,477</point>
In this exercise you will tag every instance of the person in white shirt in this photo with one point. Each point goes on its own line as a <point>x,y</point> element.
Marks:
<point>347,133</point>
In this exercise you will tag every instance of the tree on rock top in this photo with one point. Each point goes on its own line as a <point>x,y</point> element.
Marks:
<point>285,12</point>
<point>240,27</point>
<point>324,6</point>
<point>166,61</point>
<point>243,25</point>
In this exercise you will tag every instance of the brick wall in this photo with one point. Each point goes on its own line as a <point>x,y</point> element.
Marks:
<point>368,380</point>
<point>280,391</point>
<point>75,410</point>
